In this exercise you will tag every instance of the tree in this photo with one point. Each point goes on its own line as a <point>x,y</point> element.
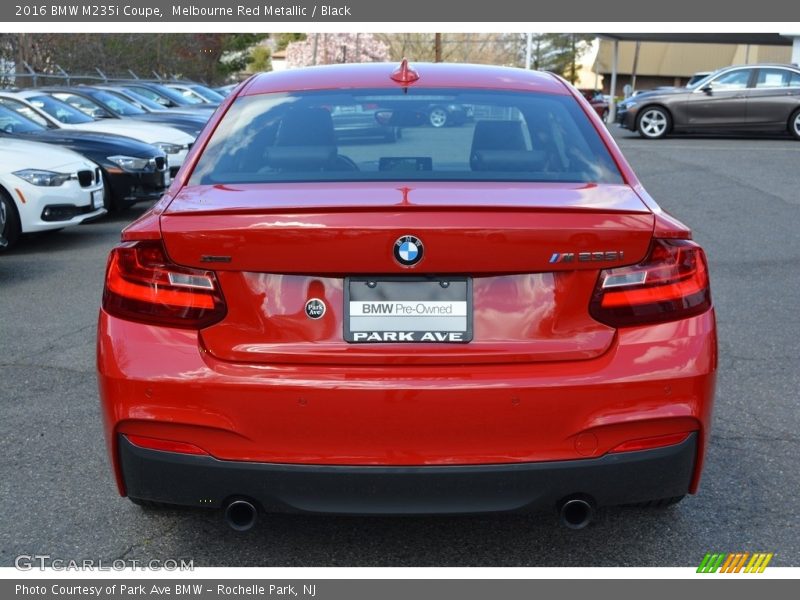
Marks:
<point>485,48</point>
<point>284,39</point>
<point>331,48</point>
<point>558,52</point>
<point>260,59</point>
<point>208,56</point>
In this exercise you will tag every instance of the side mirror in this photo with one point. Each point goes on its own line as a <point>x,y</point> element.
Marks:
<point>707,89</point>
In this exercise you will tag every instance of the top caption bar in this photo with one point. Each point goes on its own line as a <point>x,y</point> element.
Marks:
<point>443,11</point>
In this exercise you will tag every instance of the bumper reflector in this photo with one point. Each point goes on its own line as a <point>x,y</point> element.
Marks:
<point>164,445</point>
<point>649,443</point>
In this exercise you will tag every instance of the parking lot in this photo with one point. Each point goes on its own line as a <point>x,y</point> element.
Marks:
<point>742,198</point>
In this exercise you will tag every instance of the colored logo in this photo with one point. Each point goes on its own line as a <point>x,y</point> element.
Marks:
<point>735,562</point>
<point>408,250</point>
<point>315,308</point>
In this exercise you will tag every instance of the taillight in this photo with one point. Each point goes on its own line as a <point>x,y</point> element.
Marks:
<point>143,285</point>
<point>671,283</point>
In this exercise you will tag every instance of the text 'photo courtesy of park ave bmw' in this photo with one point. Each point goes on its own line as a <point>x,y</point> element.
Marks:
<point>322,280</point>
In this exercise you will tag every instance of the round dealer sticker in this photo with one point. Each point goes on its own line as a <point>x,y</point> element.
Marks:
<point>315,308</point>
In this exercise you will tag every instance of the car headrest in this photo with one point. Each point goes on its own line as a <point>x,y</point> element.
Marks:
<point>300,158</point>
<point>508,161</point>
<point>306,127</point>
<point>498,135</point>
<point>490,136</point>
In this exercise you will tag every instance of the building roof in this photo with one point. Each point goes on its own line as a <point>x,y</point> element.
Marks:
<point>671,59</point>
<point>763,39</point>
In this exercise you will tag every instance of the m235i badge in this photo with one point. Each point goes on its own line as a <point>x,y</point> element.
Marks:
<point>604,256</point>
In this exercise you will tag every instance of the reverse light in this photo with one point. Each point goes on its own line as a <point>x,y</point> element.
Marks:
<point>143,285</point>
<point>43,178</point>
<point>670,284</point>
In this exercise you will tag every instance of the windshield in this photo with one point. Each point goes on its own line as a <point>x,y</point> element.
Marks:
<point>156,90</point>
<point>138,99</point>
<point>26,111</point>
<point>207,93</point>
<point>117,104</point>
<point>703,80</point>
<point>189,95</point>
<point>414,135</point>
<point>60,111</point>
<point>13,122</point>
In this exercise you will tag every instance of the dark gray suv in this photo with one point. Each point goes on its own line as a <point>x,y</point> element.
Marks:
<point>756,98</point>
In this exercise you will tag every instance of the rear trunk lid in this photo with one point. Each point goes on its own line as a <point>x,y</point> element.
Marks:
<point>530,252</point>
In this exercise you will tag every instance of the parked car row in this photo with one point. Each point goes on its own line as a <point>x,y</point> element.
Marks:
<point>73,153</point>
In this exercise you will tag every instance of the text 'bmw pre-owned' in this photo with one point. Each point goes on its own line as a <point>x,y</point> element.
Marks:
<point>487,315</point>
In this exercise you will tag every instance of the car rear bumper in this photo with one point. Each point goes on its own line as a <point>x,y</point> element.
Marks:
<point>204,481</point>
<point>161,383</point>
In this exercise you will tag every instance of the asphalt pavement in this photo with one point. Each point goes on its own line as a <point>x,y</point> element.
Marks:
<point>742,198</point>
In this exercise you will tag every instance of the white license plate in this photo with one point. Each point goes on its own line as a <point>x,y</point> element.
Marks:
<point>408,309</point>
<point>97,199</point>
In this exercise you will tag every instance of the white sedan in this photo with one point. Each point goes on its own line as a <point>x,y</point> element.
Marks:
<point>43,187</point>
<point>173,142</point>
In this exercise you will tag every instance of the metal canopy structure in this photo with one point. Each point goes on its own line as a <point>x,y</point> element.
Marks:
<point>763,39</point>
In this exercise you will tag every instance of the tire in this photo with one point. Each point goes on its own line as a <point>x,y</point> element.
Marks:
<point>654,122</point>
<point>10,221</point>
<point>794,124</point>
<point>110,203</point>
<point>438,116</point>
<point>660,503</point>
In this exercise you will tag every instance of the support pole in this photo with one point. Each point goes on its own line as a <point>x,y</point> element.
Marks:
<point>612,106</point>
<point>528,51</point>
<point>635,65</point>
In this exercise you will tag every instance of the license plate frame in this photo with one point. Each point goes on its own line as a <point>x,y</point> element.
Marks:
<point>433,291</point>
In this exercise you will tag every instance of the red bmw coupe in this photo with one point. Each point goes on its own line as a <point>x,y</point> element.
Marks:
<point>494,316</point>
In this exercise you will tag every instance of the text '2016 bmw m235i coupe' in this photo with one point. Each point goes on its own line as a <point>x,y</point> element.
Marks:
<point>493,316</point>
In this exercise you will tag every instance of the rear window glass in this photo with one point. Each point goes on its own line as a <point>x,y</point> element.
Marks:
<point>417,135</point>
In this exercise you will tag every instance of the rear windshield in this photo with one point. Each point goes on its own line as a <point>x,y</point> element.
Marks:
<point>414,135</point>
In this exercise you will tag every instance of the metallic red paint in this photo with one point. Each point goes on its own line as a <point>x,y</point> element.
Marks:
<point>159,382</point>
<point>542,382</point>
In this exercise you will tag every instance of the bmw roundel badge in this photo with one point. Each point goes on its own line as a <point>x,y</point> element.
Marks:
<point>408,250</point>
<point>315,308</point>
